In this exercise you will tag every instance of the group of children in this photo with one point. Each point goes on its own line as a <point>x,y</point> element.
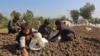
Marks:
<point>25,32</point>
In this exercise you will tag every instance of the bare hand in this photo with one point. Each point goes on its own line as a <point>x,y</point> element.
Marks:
<point>25,53</point>
<point>17,27</point>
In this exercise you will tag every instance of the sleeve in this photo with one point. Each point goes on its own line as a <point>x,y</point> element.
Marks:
<point>22,42</point>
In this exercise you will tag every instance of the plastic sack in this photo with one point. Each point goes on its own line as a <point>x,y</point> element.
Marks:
<point>37,39</point>
<point>53,33</point>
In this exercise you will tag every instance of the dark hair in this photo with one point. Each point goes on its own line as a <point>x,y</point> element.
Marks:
<point>16,17</point>
<point>57,22</point>
<point>46,21</point>
<point>25,26</point>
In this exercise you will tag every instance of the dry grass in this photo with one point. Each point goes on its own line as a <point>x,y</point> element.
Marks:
<point>4,30</point>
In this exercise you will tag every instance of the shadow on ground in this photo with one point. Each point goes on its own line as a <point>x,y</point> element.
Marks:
<point>11,48</point>
<point>93,40</point>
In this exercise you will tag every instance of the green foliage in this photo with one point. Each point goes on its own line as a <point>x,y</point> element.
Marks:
<point>28,16</point>
<point>97,20</point>
<point>3,22</point>
<point>15,13</point>
<point>52,22</point>
<point>63,17</point>
<point>35,24</point>
<point>87,10</point>
<point>1,16</point>
<point>41,19</point>
<point>74,15</point>
<point>91,20</point>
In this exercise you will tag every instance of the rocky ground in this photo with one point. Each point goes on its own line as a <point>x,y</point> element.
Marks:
<point>87,43</point>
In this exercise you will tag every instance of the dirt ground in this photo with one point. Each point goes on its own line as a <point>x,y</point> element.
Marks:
<point>87,43</point>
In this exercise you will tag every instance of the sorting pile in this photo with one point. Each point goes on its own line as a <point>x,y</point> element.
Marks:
<point>87,43</point>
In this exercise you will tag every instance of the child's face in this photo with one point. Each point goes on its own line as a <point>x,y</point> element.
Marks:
<point>27,31</point>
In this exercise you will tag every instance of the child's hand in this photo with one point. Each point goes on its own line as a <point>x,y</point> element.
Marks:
<point>25,53</point>
<point>17,27</point>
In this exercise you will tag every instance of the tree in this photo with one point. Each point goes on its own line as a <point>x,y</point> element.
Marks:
<point>63,18</point>
<point>40,18</point>
<point>15,13</point>
<point>3,22</point>
<point>28,17</point>
<point>1,16</point>
<point>87,10</point>
<point>97,20</point>
<point>39,21</point>
<point>74,15</point>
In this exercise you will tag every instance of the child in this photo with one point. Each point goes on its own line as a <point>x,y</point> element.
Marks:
<point>45,29</point>
<point>24,37</point>
<point>66,33</point>
<point>13,26</point>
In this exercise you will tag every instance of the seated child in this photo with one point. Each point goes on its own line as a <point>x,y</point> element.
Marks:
<point>13,25</point>
<point>45,29</point>
<point>64,31</point>
<point>24,37</point>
